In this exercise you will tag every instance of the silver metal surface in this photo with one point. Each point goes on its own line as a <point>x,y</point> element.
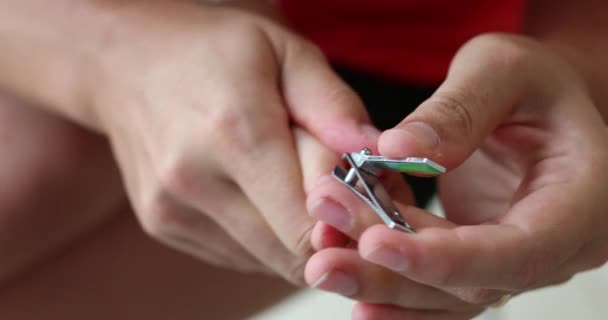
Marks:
<point>362,179</point>
<point>367,186</point>
<point>367,160</point>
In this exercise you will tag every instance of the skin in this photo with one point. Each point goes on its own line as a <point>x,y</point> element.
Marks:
<point>522,158</point>
<point>126,95</point>
<point>93,249</point>
<point>98,129</point>
<point>168,97</point>
<point>524,196</point>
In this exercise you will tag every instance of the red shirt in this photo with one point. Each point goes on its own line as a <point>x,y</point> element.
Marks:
<point>408,40</point>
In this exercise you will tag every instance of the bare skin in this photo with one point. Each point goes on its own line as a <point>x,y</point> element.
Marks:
<point>518,123</point>
<point>91,243</point>
<point>63,186</point>
<point>48,160</point>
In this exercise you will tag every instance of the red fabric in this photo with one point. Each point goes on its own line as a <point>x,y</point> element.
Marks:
<point>409,40</point>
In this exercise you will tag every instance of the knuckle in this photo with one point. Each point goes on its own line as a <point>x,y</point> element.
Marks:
<point>511,53</point>
<point>262,269</point>
<point>176,179</point>
<point>159,218</point>
<point>302,47</point>
<point>248,268</point>
<point>302,246</point>
<point>597,261</point>
<point>252,267</point>
<point>307,47</point>
<point>336,95</point>
<point>295,273</point>
<point>561,279</point>
<point>491,40</point>
<point>530,273</point>
<point>240,130</point>
<point>346,99</point>
<point>233,130</point>
<point>479,296</point>
<point>451,110</point>
<point>237,34</point>
<point>446,275</point>
<point>400,295</point>
<point>314,51</point>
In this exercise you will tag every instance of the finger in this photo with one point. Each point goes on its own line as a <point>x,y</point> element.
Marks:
<point>367,311</point>
<point>591,256</point>
<point>322,104</point>
<point>471,102</point>
<point>281,198</point>
<point>325,236</point>
<point>477,202</point>
<point>267,169</point>
<point>234,213</point>
<point>487,256</point>
<point>227,205</point>
<point>319,101</point>
<point>184,228</point>
<point>264,211</point>
<point>315,159</point>
<point>336,205</point>
<point>530,243</point>
<point>343,271</point>
<point>179,223</point>
<point>540,232</point>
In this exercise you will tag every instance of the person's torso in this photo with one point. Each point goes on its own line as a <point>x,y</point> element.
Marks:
<point>406,40</point>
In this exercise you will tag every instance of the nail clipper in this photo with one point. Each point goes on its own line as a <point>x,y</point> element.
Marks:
<point>363,179</point>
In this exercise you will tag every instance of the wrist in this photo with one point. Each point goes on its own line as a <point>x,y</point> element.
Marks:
<point>144,44</point>
<point>49,54</point>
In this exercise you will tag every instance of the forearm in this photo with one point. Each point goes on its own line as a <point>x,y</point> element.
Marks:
<point>55,54</point>
<point>49,52</point>
<point>575,30</point>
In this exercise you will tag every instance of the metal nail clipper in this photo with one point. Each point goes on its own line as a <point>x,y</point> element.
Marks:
<point>363,179</point>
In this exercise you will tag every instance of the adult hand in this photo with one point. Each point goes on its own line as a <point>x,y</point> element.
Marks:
<point>198,107</point>
<point>524,198</point>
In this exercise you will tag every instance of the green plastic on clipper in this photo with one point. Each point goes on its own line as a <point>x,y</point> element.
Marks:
<point>421,167</point>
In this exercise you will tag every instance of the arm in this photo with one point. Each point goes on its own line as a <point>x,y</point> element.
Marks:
<point>52,53</point>
<point>163,80</point>
<point>573,29</point>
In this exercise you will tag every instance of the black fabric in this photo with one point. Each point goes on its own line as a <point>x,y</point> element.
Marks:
<point>388,102</point>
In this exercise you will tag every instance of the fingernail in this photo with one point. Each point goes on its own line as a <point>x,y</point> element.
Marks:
<point>425,136</point>
<point>388,258</point>
<point>338,282</point>
<point>334,214</point>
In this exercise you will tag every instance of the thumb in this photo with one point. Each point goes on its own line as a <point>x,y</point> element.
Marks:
<point>486,79</point>
<point>320,102</point>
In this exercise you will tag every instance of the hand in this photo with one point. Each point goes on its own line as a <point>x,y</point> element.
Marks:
<point>198,106</point>
<point>524,197</point>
